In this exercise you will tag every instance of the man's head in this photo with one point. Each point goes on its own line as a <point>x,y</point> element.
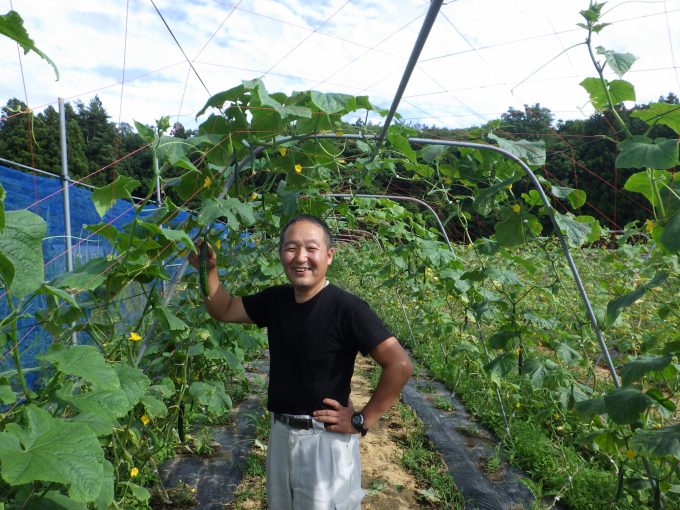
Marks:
<point>305,251</point>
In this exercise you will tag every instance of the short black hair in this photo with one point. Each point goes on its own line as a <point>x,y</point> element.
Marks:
<point>312,219</point>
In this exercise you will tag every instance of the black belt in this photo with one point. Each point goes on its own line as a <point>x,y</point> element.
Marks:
<point>293,422</point>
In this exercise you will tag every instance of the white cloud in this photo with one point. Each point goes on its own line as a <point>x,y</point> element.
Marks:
<point>362,49</point>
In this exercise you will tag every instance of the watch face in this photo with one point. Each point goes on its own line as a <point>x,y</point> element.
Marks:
<point>356,419</point>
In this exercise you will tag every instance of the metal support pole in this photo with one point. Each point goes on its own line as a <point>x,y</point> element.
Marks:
<point>65,185</point>
<point>159,203</point>
<point>431,16</point>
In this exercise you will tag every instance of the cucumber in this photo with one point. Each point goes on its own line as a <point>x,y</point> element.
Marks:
<point>203,269</point>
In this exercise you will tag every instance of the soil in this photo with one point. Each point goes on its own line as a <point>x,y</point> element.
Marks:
<point>387,484</point>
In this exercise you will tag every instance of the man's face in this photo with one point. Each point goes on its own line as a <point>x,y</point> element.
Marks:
<point>304,255</point>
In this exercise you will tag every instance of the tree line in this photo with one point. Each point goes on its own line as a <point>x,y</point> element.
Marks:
<point>580,152</point>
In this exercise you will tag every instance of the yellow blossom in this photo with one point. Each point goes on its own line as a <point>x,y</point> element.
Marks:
<point>517,404</point>
<point>657,425</point>
<point>447,180</point>
<point>134,337</point>
<point>103,345</point>
<point>323,132</point>
<point>253,196</point>
<point>559,428</point>
<point>134,472</point>
<point>179,380</point>
<point>218,244</point>
<point>469,246</point>
<point>196,377</point>
<point>631,454</point>
<point>516,208</point>
<point>338,133</point>
<point>298,168</point>
<point>517,352</point>
<point>282,151</point>
<point>650,226</point>
<point>145,419</point>
<point>557,415</point>
<point>183,253</point>
<point>206,184</point>
<point>510,187</point>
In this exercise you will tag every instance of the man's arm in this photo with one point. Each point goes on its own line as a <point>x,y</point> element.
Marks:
<point>397,368</point>
<point>219,304</point>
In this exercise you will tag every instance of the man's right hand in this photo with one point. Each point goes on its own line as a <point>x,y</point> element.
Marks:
<point>194,256</point>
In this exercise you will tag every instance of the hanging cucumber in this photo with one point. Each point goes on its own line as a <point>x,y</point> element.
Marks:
<point>203,269</point>
<point>180,424</point>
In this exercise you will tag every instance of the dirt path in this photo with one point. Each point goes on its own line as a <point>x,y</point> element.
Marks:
<point>387,484</point>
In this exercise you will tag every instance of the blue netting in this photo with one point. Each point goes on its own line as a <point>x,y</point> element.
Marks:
<point>43,196</point>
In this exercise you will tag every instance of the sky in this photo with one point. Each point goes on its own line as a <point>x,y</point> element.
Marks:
<point>477,53</point>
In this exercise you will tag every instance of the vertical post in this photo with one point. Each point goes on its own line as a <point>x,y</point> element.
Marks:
<point>159,202</point>
<point>64,185</point>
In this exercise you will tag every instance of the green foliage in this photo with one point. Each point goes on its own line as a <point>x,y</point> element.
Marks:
<point>12,26</point>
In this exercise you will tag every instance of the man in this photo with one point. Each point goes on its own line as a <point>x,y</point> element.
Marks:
<point>315,331</point>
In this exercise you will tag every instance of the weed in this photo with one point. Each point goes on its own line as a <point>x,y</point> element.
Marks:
<point>262,423</point>
<point>443,403</point>
<point>426,388</point>
<point>468,430</point>
<point>493,462</point>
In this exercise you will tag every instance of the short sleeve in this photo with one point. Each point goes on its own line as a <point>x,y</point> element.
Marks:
<point>256,306</point>
<point>365,327</point>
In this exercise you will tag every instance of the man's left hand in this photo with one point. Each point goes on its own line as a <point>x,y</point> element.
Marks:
<point>338,419</point>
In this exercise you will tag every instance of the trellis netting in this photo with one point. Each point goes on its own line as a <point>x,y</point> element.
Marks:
<point>44,196</point>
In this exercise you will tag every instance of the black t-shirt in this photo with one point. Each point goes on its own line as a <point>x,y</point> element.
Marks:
<point>313,344</point>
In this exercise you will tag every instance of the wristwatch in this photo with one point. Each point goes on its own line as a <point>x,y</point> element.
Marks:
<point>358,423</point>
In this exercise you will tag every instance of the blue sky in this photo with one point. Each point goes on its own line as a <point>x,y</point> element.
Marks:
<point>353,47</point>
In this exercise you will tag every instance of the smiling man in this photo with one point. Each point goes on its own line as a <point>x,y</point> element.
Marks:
<point>315,331</point>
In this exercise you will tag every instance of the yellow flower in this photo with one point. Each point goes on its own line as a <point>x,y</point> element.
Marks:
<point>134,337</point>
<point>298,168</point>
<point>557,416</point>
<point>253,196</point>
<point>517,404</point>
<point>145,419</point>
<point>342,161</point>
<point>516,208</point>
<point>103,345</point>
<point>469,246</point>
<point>134,472</point>
<point>179,380</point>
<point>323,132</point>
<point>218,244</point>
<point>517,352</point>
<point>282,151</point>
<point>559,428</point>
<point>631,454</point>
<point>338,133</point>
<point>196,377</point>
<point>447,180</point>
<point>657,425</point>
<point>510,187</point>
<point>650,226</point>
<point>206,184</point>
<point>183,253</point>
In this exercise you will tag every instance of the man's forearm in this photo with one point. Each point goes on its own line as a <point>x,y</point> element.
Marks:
<point>218,301</point>
<point>392,381</point>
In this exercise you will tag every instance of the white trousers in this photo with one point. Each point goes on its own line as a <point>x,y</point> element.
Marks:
<point>313,469</point>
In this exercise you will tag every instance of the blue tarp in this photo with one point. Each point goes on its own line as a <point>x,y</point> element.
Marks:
<point>44,196</point>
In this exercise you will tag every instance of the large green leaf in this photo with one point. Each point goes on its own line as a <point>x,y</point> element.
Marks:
<point>620,63</point>
<point>232,208</point>
<point>624,405</point>
<point>109,404</point>
<point>154,407</point>
<point>430,153</point>
<point>640,151</point>
<point>12,26</point>
<point>668,114</point>
<point>86,277</point>
<point>670,237</point>
<point>634,370</point>
<point>169,234</point>
<point>145,132</point>
<point>103,198</point>
<point>501,365</point>
<point>616,306</point>
<point>332,103</point>
<point>107,492</point>
<point>21,246</point>
<point>401,144</point>
<point>499,340</point>
<point>639,182</point>
<point>52,450</point>
<point>657,443</point>
<point>54,500</point>
<point>619,91</point>
<point>221,98</point>
<point>84,361</point>
<point>532,152</point>
<point>589,408</point>
<point>503,276</point>
<point>576,231</point>
<point>169,320</point>
<point>211,394</point>
<point>59,293</point>
<point>492,190</point>
<point>98,424</point>
<point>133,382</point>
<point>512,231</point>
